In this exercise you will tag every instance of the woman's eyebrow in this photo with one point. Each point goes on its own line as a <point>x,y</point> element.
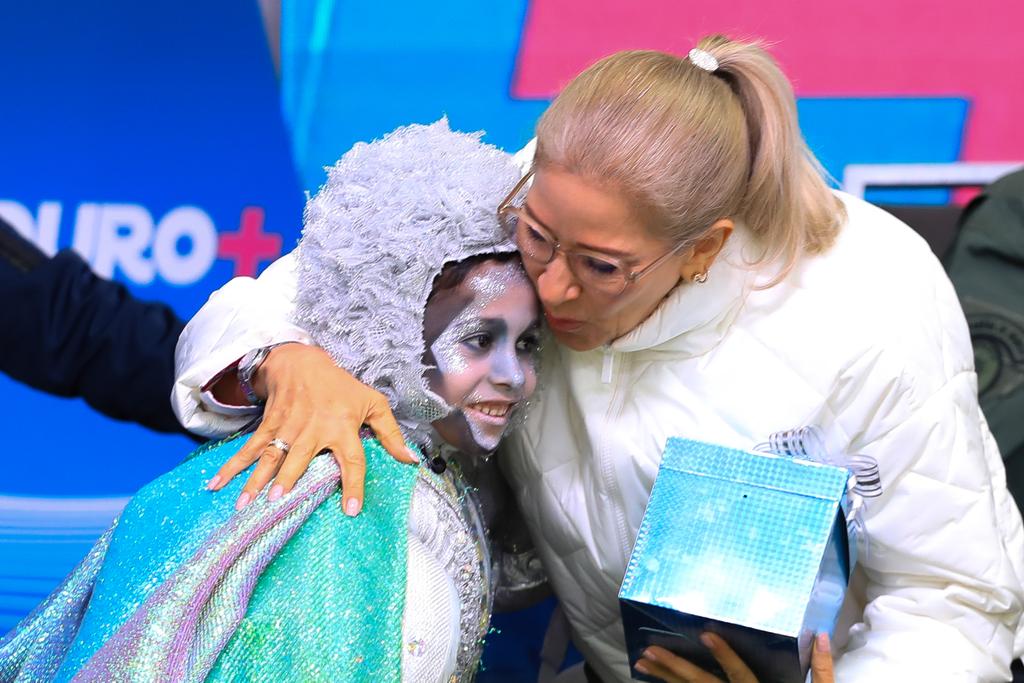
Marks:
<point>618,253</point>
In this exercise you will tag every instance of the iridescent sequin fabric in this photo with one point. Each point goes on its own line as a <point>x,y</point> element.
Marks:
<point>330,605</point>
<point>188,590</point>
<point>34,650</point>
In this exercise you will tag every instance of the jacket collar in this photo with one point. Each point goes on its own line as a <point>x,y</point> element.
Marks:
<point>693,318</point>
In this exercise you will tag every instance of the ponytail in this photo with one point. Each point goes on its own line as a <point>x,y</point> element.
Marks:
<point>786,200</point>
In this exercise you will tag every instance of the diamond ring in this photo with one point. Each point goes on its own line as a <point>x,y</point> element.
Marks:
<point>282,446</point>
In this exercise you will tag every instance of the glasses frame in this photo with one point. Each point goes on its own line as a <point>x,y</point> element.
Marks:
<point>629,277</point>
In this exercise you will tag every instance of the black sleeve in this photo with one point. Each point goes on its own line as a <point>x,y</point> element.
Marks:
<point>986,265</point>
<point>66,331</point>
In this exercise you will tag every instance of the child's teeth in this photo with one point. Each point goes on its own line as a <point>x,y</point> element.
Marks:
<point>493,411</point>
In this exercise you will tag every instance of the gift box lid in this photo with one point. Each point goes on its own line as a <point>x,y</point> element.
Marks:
<point>735,536</point>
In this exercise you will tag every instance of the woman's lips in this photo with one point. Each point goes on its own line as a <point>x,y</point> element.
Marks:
<point>563,324</point>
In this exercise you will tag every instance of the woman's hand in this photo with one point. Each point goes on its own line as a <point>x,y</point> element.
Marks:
<point>312,405</point>
<point>658,661</point>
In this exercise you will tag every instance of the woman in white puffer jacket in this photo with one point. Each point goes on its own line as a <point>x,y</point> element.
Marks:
<point>702,281</point>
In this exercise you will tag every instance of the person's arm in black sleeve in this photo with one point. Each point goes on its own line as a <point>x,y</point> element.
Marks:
<point>66,331</point>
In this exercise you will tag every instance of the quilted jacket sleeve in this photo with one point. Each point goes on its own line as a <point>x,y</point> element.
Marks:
<point>242,315</point>
<point>944,562</point>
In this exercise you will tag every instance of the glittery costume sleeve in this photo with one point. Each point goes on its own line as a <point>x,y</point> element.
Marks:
<point>188,590</point>
<point>310,615</point>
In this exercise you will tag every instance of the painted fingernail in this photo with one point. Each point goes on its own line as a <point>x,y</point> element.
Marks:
<point>276,491</point>
<point>649,654</point>
<point>213,483</point>
<point>243,500</point>
<point>352,507</point>
<point>641,667</point>
<point>708,641</point>
<point>823,644</point>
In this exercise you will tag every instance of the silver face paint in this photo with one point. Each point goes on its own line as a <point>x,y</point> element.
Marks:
<point>480,356</point>
<point>486,287</point>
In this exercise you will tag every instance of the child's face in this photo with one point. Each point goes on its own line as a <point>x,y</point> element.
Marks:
<point>482,338</point>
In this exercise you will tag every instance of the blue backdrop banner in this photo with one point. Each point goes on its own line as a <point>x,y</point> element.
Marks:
<point>147,136</point>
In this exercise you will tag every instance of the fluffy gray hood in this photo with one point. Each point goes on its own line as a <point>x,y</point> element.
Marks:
<point>391,215</point>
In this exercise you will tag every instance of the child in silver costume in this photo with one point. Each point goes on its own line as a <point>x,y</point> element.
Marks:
<point>407,280</point>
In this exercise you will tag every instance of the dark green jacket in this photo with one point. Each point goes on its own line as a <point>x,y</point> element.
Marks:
<point>986,264</point>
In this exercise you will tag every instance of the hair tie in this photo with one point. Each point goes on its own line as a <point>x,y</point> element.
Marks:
<point>703,60</point>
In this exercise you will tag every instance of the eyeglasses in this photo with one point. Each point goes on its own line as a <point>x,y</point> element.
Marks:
<point>600,273</point>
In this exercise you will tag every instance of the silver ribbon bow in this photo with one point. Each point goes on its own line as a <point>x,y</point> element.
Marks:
<point>865,479</point>
<point>807,442</point>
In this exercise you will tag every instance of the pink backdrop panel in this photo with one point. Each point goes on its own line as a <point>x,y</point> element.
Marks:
<point>869,48</point>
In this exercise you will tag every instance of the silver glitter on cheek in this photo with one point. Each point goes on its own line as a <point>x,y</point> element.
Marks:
<point>508,369</point>
<point>487,285</point>
<point>486,434</point>
<point>447,349</point>
<point>486,441</point>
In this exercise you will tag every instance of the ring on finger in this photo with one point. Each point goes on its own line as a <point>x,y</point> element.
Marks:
<point>280,445</point>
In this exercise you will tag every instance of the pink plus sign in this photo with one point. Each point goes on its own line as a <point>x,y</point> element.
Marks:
<point>250,245</point>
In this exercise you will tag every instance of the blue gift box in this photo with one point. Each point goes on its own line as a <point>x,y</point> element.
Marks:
<point>751,546</point>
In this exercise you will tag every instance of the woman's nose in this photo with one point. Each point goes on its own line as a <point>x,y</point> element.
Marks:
<point>557,285</point>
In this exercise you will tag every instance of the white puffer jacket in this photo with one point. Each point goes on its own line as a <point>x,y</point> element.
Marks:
<point>867,342</point>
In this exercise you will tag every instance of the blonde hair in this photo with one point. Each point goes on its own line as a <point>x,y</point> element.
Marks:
<point>691,146</point>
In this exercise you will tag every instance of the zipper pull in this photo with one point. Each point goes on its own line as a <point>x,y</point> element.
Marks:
<point>607,365</point>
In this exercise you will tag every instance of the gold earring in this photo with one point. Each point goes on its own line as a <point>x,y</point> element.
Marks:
<point>700,278</point>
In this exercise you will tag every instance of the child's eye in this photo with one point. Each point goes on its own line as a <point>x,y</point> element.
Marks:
<point>481,342</point>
